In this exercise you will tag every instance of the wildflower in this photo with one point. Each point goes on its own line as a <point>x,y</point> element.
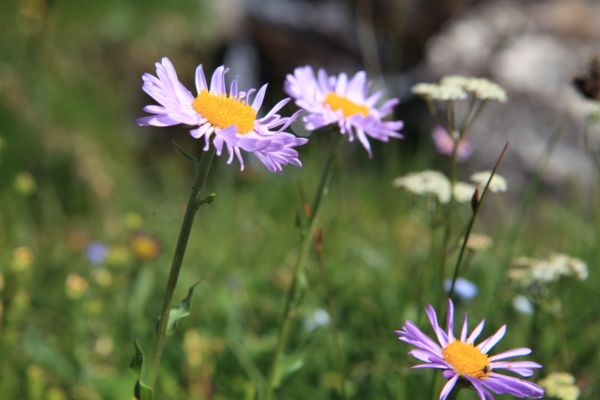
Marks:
<point>76,285</point>
<point>530,272</point>
<point>481,88</point>
<point>104,346</point>
<point>96,253</point>
<point>228,118</point>
<point>144,246</point>
<point>118,256</point>
<point>316,319</point>
<point>464,288</point>
<point>102,277</point>
<point>479,242</point>
<point>22,259</point>
<point>498,183</point>
<point>433,91</point>
<point>25,183</point>
<point>460,358</point>
<point>426,182</point>
<point>463,192</point>
<point>133,220</point>
<point>444,143</point>
<point>429,182</point>
<point>522,304</point>
<point>330,99</point>
<point>560,385</point>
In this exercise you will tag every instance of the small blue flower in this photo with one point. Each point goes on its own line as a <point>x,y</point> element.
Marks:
<point>96,252</point>
<point>463,288</point>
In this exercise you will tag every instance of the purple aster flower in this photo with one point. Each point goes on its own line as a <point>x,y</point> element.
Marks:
<point>460,358</point>
<point>330,99</point>
<point>225,119</point>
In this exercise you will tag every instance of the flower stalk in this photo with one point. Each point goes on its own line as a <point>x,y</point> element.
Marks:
<point>194,202</point>
<point>297,287</point>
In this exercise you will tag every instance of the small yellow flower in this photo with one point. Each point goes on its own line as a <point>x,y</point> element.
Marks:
<point>104,346</point>
<point>118,256</point>
<point>133,221</point>
<point>102,277</point>
<point>144,247</point>
<point>22,259</point>
<point>25,183</point>
<point>76,286</point>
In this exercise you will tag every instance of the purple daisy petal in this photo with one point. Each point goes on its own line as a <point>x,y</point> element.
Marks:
<point>520,351</point>
<point>490,342</point>
<point>352,108</point>
<point>503,384</point>
<point>265,137</point>
<point>450,320</point>
<point>439,333</point>
<point>448,387</point>
<point>472,367</point>
<point>476,332</point>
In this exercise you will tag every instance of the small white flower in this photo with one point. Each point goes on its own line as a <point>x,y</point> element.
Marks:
<point>317,319</point>
<point>426,182</point>
<point>463,192</point>
<point>482,88</point>
<point>498,183</point>
<point>434,91</point>
<point>522,305</point>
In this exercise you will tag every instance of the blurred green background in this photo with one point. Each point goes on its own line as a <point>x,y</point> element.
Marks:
<point>75,172</point>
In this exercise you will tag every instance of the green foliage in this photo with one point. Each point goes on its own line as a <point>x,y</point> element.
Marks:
<point>180,311</point>
<point>69,94</point>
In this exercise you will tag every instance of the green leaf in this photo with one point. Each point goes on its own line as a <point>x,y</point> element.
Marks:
<point>141,391</point>
<point>180,311</point>
<point>137,362</point>
<point>184,152</point>
<point>206,199</point>
<point>288,365</point>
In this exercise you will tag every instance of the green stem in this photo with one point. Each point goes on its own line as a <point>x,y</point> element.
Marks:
<point>202,170</point>
<point>334,331</point>
<point>295,290</point>
<point>475,205</point>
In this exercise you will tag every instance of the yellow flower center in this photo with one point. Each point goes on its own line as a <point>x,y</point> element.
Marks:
<point>223,111</point>
<point>466,359</point>
<point>348,107</point>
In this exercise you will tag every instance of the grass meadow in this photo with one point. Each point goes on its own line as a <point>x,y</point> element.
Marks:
<point>91,206</point>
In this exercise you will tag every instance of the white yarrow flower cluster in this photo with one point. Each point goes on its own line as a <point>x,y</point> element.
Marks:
<point>481,88</point>
<point>560,385</point>
<point>498,183</point>
<point>434,91</point>
<point>436,184</point>
<point>530,272</point>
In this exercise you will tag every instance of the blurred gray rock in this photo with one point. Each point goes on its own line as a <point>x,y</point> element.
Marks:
<point>533,49</point>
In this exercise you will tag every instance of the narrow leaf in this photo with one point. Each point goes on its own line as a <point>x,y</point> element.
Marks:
<point>142,392</point>
<point>180,311</point>
<point>288,366</point>
<point>184,152</point>
<point>206,199</point>
<point>137,362</point>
